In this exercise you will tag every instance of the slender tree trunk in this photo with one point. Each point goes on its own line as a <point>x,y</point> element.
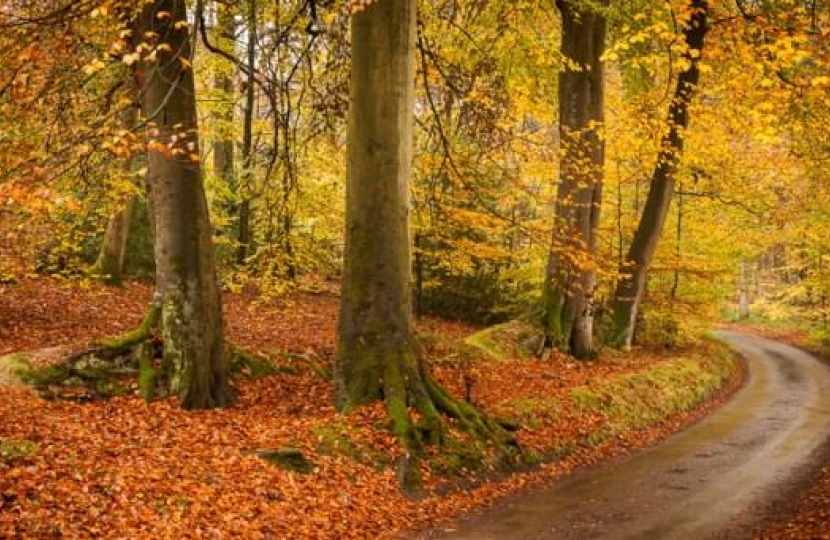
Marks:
<point>570,278</point>
<point>743,293</point>
<point>223,146</point>
<point>377,357</point>
<point>244,209</point>
<point>629,291</point>
<point>110,262</point>
<point>192,329</point>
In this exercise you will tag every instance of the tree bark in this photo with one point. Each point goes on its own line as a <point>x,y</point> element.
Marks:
<point>377,356</point>
<point>244,207</point>
<point>375,314</point>
<point>110,262</point>
<point>629,291</point>
<point>191,326</point>
<point>569,277</point>
<point>743,293</point>
<point>223,146</point>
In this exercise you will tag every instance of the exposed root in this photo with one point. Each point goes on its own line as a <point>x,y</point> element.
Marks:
<point>423,414</point>
<point>103,369</point>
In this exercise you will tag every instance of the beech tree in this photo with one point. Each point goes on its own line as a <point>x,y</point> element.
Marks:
<point>629,290</point>
<point>195,363</point>
<point>569,279</point>
<point>377,354</point>
<point>110,262</point>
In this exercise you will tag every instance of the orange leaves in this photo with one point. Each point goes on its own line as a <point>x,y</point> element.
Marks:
<point>156,471</point>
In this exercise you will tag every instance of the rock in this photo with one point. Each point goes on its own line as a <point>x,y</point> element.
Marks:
<point>11,367</point>
<point>290,459</point>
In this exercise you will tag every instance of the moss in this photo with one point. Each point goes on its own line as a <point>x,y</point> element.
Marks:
<point>338,439</point>
<point>13,368</point>
<point>513,339</point>
<point>560,450</point>
<point>94,381</point>
<point>11,449</point>
<point>46,375</point>
<point>450,352</point>
<point>642,399</point>
<point>147,374</point>
<point>531,412</point>
<point>249,366</point>
<point>129,339</point>
<point>290,459</point>
<point>458,457</point>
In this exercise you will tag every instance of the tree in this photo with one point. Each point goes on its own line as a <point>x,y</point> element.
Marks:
<point>377,356</point>
<point>191,314</point>
<point>223,145</point>
<point>569,278</point>
<point>110,262</point>
<point>629,290</point>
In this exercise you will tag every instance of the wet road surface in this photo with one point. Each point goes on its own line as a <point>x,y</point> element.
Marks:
<point>714,480</point>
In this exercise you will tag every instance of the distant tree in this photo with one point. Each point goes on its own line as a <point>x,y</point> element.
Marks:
<point>109,265</point>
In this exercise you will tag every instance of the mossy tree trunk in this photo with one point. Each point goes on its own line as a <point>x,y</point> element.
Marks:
<point>629,291</point>
<point>195,361</point>
<point>570,277</point>
<point>377,356</point>
<point>375,317</point>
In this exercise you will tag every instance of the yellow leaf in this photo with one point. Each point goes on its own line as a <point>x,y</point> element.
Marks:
<point>131,58</point>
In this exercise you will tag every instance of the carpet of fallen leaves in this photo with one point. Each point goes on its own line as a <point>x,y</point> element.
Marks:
<point>122,467</point>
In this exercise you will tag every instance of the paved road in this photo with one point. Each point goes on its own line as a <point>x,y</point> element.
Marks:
<point>714,480</point>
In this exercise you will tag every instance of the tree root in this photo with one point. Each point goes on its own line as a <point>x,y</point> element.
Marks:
<point>97,371</point>
<point>423,414</point>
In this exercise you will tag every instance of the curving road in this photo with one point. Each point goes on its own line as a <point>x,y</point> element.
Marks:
<point>714,480</point>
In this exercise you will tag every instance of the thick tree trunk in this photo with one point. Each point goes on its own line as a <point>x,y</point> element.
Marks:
<point>629,291</point>
<point>377,356</point>
<point>570,278</point>
<point>192,329</point>
<point>375,316</point>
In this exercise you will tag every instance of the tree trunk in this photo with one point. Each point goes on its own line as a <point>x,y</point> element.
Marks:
<point>375,332</point>
<point>223,146</point>
<point>570,278</point>
<point>110,262</point>
<point>377,356</point>
<point>629,291</point>
<point>244,208</point>
<point>743,293</point>
<point>192,329</point>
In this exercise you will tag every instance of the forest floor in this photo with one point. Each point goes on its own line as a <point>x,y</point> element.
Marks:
<point>119,465</point>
